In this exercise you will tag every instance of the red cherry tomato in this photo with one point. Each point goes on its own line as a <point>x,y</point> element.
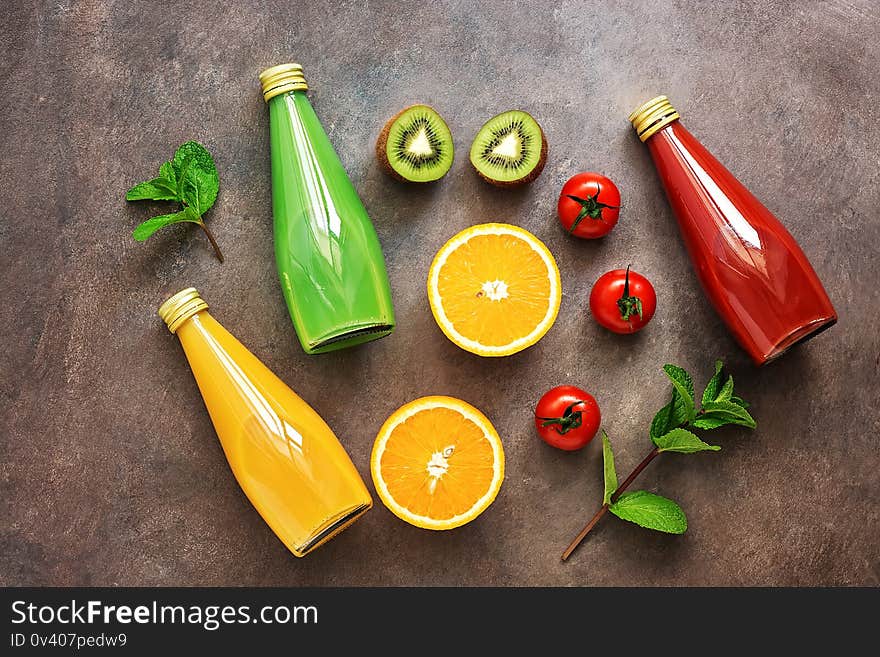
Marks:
<point>589,205</point>
<point>623,301</point>
<point>567,417</point>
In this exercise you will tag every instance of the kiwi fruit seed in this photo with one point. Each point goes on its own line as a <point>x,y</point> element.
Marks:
<point>415,145</point>
<point>510,149</point>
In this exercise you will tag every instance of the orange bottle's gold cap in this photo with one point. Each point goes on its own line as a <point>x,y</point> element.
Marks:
<point>652,116</point>
<point>281,79</point>
<point>179,308</point>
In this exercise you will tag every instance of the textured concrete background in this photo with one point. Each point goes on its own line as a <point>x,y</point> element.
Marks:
<point>111,472</point>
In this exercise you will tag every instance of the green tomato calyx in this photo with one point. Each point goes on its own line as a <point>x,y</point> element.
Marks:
<point>570,419</point>
<point>628,305</point>
<point>590,207</point>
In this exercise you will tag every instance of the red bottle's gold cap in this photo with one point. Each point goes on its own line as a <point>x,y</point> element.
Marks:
<point>281,79</point>
<point>652,116</point>
<point>179,308</point>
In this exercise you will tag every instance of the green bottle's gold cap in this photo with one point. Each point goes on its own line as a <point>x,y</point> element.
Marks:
<point>652,116</point>
<point>179,308</point>
<point>281,79</point>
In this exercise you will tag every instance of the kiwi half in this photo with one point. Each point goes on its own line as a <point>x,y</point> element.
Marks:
<point>510,149</point>
<point>415,145</point>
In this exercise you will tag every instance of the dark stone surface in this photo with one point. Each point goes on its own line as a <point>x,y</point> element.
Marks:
<point>111,472</point>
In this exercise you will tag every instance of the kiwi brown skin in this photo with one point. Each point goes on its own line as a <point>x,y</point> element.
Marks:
<point>534,173</point>
<point>382,144</point>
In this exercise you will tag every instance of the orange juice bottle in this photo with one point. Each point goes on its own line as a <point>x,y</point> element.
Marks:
<point>286,459</point>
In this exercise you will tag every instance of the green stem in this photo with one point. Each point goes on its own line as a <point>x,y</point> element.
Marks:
<point>590,207</point>
<point>570,419</point>
<point>601,512</point>
<point>626,304</point>
<point>583,213</point>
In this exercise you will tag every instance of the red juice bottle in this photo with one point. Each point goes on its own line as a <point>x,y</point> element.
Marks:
<point>750,267</point>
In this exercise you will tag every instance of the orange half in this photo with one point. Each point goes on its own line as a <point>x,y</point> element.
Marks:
<point>494,289</point>
<point>437,463</point>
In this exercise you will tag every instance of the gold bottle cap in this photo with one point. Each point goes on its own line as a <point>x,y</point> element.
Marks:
<point>281,79</point>
<point>652,116</point>
<point>179,308</point>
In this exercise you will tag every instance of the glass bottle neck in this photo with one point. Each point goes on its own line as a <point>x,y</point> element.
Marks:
<point>653,116</point>
<point>282,79</point>
<point>180,307</point>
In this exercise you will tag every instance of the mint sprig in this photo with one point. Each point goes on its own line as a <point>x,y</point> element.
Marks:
<point>670,431</point>
<point>191,179</point>
<point>640,507</point>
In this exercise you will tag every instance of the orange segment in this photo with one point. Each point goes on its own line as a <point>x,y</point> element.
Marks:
<point>437,463</point>
<point>494,289</point>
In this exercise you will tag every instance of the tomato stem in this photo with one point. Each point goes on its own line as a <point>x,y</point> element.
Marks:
<point>626,304</point>
<point>571,419</point>
<point>601,512</point>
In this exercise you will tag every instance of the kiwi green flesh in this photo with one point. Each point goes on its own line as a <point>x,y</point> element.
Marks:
<point>509,148</point>
<point>419,145</point>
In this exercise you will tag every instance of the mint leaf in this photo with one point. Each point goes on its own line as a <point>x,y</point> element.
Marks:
<point>739,401</point>
<point>166,171</point>
<point>660,423</point>
<point>610,473</point>
<point>710,421</point>
<point>680,375</point>
<point>183,157</point>
<point>672,415</point>
<point>651,511</point>
<point>726,391</point>
<point>683,405</point>
<point>721,406</point>
<point>150,226</point>
<point>680,410</point>
<point>196,176</point>
<point>157,189</point>
<point>714,384</point>
<point>714,390</point>
<point>683,442</point>
<point>163,188</point>
<point>729,411</point>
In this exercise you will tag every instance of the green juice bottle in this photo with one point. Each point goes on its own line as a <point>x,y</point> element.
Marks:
<point>328,255</point>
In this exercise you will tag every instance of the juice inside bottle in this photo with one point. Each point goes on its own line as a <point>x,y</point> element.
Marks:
<point>284,456</point>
